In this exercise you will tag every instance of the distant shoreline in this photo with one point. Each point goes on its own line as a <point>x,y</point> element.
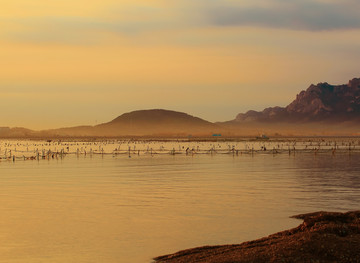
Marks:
<point>175,138</point>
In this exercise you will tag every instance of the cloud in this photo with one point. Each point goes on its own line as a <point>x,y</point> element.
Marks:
<point>308,15</point>
<point>139,21</point>
<point>125,22</point>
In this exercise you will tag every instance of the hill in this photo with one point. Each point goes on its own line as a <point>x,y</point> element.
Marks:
<point>156,122</point>
<point>16,132</point>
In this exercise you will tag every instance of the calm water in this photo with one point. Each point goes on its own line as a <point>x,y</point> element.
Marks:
<point>120,209</point>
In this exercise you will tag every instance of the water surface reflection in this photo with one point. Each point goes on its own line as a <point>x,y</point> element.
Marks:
<point>120,209</point>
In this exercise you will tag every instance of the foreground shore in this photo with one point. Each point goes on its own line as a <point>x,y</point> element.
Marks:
<point>322,237</point>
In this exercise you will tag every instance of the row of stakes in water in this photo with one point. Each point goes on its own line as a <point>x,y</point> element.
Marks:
<point>38,155</point>
<point>48,154</point>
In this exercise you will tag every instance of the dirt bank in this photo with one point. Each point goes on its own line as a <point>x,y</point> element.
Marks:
<point>322,237</point>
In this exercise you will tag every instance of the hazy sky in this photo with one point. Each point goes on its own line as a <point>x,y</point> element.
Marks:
<point>72,62</point>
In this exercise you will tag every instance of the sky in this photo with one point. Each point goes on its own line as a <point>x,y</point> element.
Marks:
<point>75,62</point>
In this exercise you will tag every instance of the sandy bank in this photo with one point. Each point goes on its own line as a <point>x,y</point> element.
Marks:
<point>322,237</point>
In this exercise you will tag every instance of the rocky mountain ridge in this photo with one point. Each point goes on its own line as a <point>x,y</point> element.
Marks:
<point>321,102</point>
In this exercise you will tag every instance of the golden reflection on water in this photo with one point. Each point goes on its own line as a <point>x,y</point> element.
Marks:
<point>120,209</point>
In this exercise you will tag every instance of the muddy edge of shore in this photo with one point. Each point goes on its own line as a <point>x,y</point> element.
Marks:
<point>322,237</point>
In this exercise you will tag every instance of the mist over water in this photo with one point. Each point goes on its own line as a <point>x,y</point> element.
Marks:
<point>112,208</point>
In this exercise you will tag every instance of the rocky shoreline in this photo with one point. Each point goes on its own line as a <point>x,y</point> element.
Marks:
<point>322,237</point>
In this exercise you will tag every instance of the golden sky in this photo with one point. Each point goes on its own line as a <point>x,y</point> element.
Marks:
<point>66,63</point>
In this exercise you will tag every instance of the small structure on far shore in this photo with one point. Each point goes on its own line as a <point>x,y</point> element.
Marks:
<point>262,137</point>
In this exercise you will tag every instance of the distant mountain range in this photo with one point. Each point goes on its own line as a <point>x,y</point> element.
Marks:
<point>322,102</point>
<point>322,109</point>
